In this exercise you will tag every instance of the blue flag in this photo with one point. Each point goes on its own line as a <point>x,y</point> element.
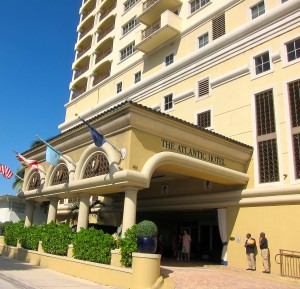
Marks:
<point>98,138</point>
<point>52,155</point>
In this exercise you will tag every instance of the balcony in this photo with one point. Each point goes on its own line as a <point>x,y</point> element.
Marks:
<point>105,32</point>
<point>82,49</point>
<point>152,9</point>
<point>167,28</point>
<point>86,27</point>
<point>87,11</point>
<point>102,72</point>
<point>81,71</point>
<point>107,11</point>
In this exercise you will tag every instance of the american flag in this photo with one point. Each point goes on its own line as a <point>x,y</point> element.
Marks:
<point>6,172</point>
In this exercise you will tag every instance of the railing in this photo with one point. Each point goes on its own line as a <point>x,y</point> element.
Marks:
<point>88,12</point>
<point>100,78</point>
<point>289,263</point>
<point>103,55</point>
<point>81,71</point>
<point>105,32</point>
<point>150,30</point>
<point>83,51</point>
<point>87,30</point>
<point>148,4</point>
<point>104,14</point>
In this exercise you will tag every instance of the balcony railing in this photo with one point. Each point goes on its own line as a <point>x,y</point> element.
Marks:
<point>83,51</point>
<point>105,32</point>
<point>87,30</point>
<point>81,71</point>
<point>150,30</point>
<point>103,55</point>
<point>148,4</point>
<point>77,93</point>
<point>99,78</point>
<point>105,13</point>
<point>87,12</point>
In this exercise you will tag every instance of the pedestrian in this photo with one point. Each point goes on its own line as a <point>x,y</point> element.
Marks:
<point>179,247</point>
<point>250,245</point>
<point>186,245</point>
<point>263,245</point>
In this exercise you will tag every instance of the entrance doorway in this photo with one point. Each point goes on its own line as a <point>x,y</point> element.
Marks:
<point>202,226</point>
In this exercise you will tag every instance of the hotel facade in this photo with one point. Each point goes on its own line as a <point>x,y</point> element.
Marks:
<point>199,102</point>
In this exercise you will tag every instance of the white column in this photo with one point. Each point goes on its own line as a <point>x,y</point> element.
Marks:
<point>52,210</point>
<point>29,211</point>
<point>129,212</point>
<point>83,214</point>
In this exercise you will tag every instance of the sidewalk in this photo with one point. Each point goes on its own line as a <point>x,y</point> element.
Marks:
<point>24,275</point>
<point>188,275</point>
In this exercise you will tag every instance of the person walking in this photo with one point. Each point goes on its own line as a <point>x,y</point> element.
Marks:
<point>250,246</point>
<point>263,245</point>
<point>186,245</point>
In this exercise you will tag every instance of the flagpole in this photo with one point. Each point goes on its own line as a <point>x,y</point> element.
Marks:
<point>121,151</point>
<point>18,177</point>
<point>54,148</point>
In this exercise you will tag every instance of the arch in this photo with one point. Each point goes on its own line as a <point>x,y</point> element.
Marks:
<point>28,176</point>
<point>192,167</point>
<point>111,154</point>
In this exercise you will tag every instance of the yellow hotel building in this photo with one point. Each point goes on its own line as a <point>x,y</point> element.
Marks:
<point>199,101</point>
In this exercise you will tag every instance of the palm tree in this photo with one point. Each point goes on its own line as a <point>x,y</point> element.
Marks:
<point>74,210</point>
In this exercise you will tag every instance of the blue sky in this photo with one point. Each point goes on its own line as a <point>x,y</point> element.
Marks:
<point>36,54</point>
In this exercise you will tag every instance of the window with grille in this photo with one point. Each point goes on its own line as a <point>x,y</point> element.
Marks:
<point>130,25</point>
<point>294,103</point>
<point>204,119</point>
<point>266,137</point>
<point>73,200</point>
<point>34,181</point>
<point>168,102</point>
<point>127,51</point>
<point>61,175</point>
<point>119,86</point>
<point>128,4</point>
<point>197,4</point>
<point>293,50</point>
<point>98,165</point>
<point>203,88</point>
<point>218,26</point>
<point>258,9</point>
<point>203,40</point>
<point>262,63</point>
<point>169,59</point>
<point>137,77</point>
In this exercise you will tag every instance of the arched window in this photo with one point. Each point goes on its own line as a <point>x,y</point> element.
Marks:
<point>61,175</point>
<point>98,165</point>
<point>34,181</point>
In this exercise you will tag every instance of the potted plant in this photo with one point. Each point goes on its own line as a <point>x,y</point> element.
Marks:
<point>146,232</point>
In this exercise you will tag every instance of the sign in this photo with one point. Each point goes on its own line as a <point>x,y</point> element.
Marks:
<point>192,152</point>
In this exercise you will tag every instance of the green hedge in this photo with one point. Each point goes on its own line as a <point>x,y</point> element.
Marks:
<point>128,245</point>
<point>93,245</point>
<point>31,237</point>
<point>13,232</point>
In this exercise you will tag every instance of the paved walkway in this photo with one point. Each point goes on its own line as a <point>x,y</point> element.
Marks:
<point>198,276</point>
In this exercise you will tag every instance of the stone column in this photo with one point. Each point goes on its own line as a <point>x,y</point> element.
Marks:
<point>83,214</point>
<point>29,211</point>
<point>129,212</point>
<point>52,210</point>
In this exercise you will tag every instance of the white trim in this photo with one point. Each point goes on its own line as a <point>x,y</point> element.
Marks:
<point>198,98</point>
<point>163,103</point>
<point>285,62</point>
<point>253,65</point>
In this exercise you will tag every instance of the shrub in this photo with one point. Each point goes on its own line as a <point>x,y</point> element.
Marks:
<point>146,229</point>
<point>56,238</point>
<point>13,232</point>
<point>128,245</point>
<point>93,245</point>
<point>31,237</point>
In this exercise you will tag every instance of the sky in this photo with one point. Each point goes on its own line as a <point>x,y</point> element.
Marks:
<point>37,42</point>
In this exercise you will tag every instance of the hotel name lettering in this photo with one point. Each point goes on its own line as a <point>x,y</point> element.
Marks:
<point>191,152</point>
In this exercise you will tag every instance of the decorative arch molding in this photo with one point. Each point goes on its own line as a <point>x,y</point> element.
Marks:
<point>111,154</point>
<point>52,169</point>
<point>194,167</point>
<point>31,172</point>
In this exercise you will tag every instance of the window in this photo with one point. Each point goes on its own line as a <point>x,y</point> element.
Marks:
<point>137,77</point>
<point>197,4</point>
<point>266,137</point>
<point>204,119</point>
<point>203,88</point>
<point>127,51</point>
<point>128,4</point>
<point>293,50</point>
<point>262,63</point>
<point>282,1</point>
<point>218,26</point>
<point>258,9</point>
<point>130,25</point>
<point>294,103</point>
<point>119,87</point>
<point>169,59</point>
<point>203,40</point>
<point>168,102</point>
